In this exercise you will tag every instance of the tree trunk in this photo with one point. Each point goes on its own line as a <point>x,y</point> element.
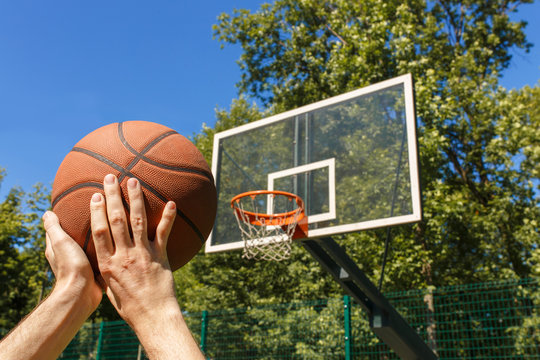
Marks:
<point>431,328</point>
<point>427,271</point>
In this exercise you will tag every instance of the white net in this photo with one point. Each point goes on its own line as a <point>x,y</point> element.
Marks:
<point>267,223</point>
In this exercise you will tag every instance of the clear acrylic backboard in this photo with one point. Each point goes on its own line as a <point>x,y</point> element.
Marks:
<point>351,158</point>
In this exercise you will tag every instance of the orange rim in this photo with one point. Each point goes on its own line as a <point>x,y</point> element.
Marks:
<point>274,219</point>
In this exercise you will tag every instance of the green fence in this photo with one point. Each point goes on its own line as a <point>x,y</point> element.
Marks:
<point>482,321</point>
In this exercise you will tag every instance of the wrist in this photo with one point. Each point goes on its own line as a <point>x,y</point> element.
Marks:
<point>79,292</point>
<point>151,319</point>
<point>166,335</point>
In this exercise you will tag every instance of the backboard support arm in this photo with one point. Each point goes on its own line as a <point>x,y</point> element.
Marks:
<point>384,320</point>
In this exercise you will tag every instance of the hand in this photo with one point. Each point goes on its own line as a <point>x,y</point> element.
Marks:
<point>135,271</point>
<point>71,268</point>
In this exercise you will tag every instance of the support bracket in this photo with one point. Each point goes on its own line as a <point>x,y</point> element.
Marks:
<point>384,320</point>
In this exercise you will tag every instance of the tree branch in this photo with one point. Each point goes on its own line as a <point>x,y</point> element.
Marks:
<point>336,35</point>
<point>464,176</point>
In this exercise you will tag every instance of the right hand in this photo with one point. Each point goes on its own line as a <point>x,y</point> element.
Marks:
<point>135,271</point>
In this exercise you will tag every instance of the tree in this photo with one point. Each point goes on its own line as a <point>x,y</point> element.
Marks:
<point>24,273</point>
<point>479,201</point>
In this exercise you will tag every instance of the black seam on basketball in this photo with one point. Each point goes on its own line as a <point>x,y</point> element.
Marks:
<point>147,147</point>
<point>103,159</point>
<point>140,155</point>
<point>76,187</point>
<point>87,239</point>
<point>178,211</point>
<point>143,184</point>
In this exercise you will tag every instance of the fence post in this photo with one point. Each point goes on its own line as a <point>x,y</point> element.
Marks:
<point>100,340</point>
<point>204,328</point>
<point>347,323</point>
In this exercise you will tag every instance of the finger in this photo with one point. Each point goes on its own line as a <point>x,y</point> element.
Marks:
<point>165,225</point>
<point>57,235</point>
<point>100,228</point>
<point>116,213</point>
<point>49,252</point>
<point>137,212</point>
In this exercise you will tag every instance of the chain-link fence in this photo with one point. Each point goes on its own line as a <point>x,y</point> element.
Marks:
<point>482,321</point>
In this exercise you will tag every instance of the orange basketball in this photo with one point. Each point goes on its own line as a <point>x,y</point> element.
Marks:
<point>168,167</point>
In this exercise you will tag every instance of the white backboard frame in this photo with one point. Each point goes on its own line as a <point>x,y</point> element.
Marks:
<point>331,165</point>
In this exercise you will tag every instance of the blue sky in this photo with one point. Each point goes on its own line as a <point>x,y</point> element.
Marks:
<point>69,67</point>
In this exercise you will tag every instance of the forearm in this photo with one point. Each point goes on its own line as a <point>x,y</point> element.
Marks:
<point>45,332</point>
<point>165,335</point>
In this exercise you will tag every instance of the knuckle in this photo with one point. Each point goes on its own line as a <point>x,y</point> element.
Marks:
<point>168,218</point>
<point>105,265</point>
<point>100,231</point>
<point>50,227</point>
<point>47,225</point>
<point>48,253</point>
<point>170,215</point>
<point>97,205</point>
<point>137,222</point>
<point>105,269</point>
<point>128,262</point>
<point>96,208</point>
<point>117,217</point>
<point>65,238</point>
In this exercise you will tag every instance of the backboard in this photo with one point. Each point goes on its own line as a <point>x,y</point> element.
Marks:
<point>351,158</point>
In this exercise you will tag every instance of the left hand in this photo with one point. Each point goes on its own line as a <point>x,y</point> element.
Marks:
<point>69,264</point>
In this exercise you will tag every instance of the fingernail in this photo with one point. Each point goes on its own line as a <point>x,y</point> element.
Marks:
<point>96,197</point>
<point>45,216</point>
<point>109,179</point>
<point>132,183</point>
<point>171,205</point>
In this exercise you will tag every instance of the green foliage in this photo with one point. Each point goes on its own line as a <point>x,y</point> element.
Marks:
<point>527,334</point>
<point>218,281</point>
<point>296,52</point>
<point>24,275</point>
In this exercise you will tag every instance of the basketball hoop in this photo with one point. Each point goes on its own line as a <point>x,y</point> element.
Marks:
<point>268,221</point>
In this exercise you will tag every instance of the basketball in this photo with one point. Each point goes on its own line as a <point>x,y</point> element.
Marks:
<point>168,167</point>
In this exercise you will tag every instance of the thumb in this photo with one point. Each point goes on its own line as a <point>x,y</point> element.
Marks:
<point>62,246</point>
<point>53,229</point>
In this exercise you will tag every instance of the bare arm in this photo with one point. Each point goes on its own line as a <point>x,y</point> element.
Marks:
<point>46,331</point>
<point>136,271</point>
